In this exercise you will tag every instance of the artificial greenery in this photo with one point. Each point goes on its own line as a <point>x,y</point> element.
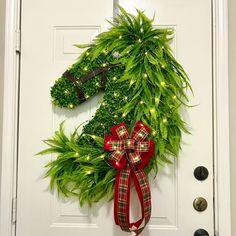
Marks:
<point>149,85</point>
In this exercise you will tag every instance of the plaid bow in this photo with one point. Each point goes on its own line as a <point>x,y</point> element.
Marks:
<point>130,154</point>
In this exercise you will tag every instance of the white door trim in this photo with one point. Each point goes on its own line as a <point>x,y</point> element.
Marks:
<point>221,120</point>
<point>8,154</point>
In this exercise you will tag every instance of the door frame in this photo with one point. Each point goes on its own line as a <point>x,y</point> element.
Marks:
<point>8,154</point>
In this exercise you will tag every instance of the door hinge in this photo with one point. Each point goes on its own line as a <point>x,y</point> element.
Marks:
<point>14,209</point>
<point>18,41</point>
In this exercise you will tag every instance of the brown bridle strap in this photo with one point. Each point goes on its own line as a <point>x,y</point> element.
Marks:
<point>78,82</point>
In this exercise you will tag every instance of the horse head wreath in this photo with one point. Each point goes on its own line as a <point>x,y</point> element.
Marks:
<point>144,87</point>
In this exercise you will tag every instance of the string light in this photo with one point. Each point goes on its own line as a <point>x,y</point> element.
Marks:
<point>136,159</point>
<point>146,53</point>
<point>141,102</point>
<point>117,163</point>
<point>78,82</point>
<point>86,96</point>
<point>174,97</point>
<point>97,84</point>
<point>145,75</point>
<point>116,54</point>
<point>164,120</point>
<point>88,158</point>
<point>89,172</point>
<point>103,103</point>
<point>114,78</point>
<point>115,116</point>
<point>104,64</point>
<point>139,40</point>
<point>124,114</point>
<point>163,66</point>
<point>152,110</point>
<point>125,97</point>
<point>122,132</point>
<point>85,68</point>
<point>163,84</point>
<point>120,37</point>
<point>87,53</point>
<point>66,92</point>
<point>157,99</point>
<point>71,106</point>
<point>102,156</point>
<point>154,132</point>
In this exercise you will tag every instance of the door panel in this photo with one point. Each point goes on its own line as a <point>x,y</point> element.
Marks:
<point>49,31</point>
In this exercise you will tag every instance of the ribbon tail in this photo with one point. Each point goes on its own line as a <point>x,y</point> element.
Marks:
<point>122,198</point>
<point>143,189</point>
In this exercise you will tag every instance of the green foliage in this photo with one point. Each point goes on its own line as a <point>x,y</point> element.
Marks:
<point>79,170</point>
<point>149,85</point>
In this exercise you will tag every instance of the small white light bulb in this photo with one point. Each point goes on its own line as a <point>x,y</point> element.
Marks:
<point>152,110</point>
<point>71,106</point>
<point>163,84</point>
<point>164,120</point>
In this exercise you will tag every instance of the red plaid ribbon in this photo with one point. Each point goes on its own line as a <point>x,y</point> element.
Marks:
<point>130,154</point>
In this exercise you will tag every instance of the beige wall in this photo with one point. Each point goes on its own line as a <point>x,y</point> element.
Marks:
<point>232,91</point>
<point>2,16</point>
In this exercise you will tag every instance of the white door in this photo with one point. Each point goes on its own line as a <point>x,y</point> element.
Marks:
<point>49,30</point>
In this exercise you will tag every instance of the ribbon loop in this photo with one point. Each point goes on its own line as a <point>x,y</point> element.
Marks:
<point>134,158</point>
<point>129,144</point>
<point>122,132</point>
<point>130,154</point>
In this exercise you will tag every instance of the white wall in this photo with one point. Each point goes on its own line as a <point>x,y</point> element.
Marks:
<point>232,90</point>
<point>2,21</point>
